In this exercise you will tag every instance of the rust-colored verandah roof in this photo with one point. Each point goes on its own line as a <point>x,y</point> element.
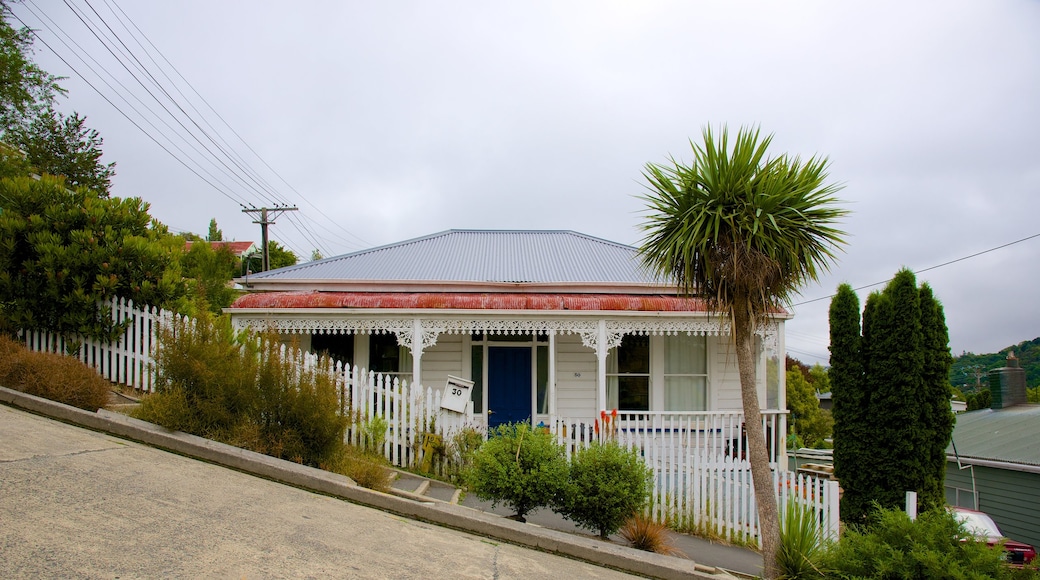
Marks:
<point>470,301</point>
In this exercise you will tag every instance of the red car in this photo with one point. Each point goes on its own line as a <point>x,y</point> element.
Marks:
<point>984,528</point>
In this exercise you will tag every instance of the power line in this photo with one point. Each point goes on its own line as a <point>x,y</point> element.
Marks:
<point>124,114</point>
<point>191,126</point>
<point>1027,238</point>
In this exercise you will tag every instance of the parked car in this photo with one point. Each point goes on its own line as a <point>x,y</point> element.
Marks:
<point>984,528</point>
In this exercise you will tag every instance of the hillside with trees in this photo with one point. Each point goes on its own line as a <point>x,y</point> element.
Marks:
<point>969,369</point>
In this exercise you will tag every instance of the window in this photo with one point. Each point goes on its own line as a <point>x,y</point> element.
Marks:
<point>386,357</point>
<point>685,373</point>
<point>338,347</point>
<point>628,374</point>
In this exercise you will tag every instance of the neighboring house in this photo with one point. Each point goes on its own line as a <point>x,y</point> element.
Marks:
<point>994,459</point>
<point>239,249</point>
<point>546,324</point>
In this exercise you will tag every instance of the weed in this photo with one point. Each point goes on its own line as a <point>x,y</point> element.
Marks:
<point>366,469</point>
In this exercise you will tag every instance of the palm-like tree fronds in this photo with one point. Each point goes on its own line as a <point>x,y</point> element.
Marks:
<point>735,222</point>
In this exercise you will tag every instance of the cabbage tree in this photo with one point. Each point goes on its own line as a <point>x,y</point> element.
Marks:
<point>743,231</point>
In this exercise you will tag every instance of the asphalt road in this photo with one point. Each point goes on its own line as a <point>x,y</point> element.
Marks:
<point>76,503</point>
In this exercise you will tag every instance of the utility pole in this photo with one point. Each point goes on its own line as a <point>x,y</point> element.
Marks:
<point>267,215</point>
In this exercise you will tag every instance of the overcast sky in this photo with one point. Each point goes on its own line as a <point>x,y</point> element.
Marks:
<point>385,121</point>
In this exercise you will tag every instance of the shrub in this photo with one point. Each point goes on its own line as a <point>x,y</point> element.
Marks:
<point>244,390</point>
<point>297,406</point>
<point>935,545</point>
<point>207,374</point>
<point>643,533</point>
<point>51,376</point>
<point>608,484</point>
<point>520,467</point>
<point>801,544</point>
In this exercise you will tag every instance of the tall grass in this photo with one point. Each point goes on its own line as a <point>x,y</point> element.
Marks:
<point>51,376</point>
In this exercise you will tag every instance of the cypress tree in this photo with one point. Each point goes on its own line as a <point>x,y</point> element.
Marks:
<point>851,451</point>
<point>936,414</point>
<point>897,364</point>
<point>893,422</point>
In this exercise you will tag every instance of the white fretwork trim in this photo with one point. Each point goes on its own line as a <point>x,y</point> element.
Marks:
<point>588,329</point>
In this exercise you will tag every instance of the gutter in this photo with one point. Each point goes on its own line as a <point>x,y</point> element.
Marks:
<point>994,464</point>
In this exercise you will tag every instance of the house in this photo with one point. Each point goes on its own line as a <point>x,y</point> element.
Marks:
<point>239,249</point>
<point>993,462</point>
<point>546,324</point>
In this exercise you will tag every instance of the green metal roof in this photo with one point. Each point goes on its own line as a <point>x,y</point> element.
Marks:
<point>1010,435</point>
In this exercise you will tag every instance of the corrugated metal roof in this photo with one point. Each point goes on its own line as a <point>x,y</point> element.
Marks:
<point>480,256</point>
<point>470,301</point>
<point>1008,435</point>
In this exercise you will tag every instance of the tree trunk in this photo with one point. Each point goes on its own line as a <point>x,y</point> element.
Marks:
<point>761,475</point>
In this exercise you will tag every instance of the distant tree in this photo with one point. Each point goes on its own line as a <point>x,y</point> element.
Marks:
<point>820,378</point>
<point>795,364</point>
<point>25,88</point>
<point>280,257</point>
<point>316,255</point>
<point>810,424</point>
<point>62,251</point>
<point>208,273</point>
<point>979,400</point>
<point>62,145</point>
<point>214,235</point>
<point>13,162</point>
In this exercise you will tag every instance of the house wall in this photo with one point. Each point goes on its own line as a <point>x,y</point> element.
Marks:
<point>576,368</point>
<point>722,375</point>
<point>575,377</point>
<point>1011,498</point>
<point>443,359</point>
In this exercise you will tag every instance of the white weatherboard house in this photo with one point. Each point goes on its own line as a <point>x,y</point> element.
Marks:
<point>546,324</point>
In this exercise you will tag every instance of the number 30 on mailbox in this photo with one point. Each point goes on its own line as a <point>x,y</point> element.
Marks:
<point>456,394</point>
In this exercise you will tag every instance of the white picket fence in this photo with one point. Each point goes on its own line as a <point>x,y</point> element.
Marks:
<point>404,418</point>
<point>127,361</point>
<point>721,500</point>
<point>702,480</point>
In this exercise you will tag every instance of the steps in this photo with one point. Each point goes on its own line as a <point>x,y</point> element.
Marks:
<point>418,488</point>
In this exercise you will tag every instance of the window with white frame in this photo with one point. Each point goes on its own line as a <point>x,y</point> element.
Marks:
<point>685,373</point>
<point>628,374</point>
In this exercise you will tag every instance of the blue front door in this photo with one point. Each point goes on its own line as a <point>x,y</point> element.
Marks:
<point>509,385</point>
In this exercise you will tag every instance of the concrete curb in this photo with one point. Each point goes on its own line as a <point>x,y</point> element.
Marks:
<point>313,479</point>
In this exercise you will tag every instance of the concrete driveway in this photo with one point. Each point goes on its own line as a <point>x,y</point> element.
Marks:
<point>76,503</point>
